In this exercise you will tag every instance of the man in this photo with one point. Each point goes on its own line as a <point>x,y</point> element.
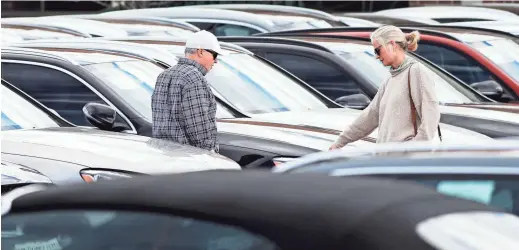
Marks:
<point>183,105</point>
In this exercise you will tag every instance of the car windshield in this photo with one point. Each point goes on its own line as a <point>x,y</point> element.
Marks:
<point>247,83</point>
<point>18,113</point>
<point>132,80</point>
<point>254,87</point>
<point>364,60</point>
<point>503,52</point>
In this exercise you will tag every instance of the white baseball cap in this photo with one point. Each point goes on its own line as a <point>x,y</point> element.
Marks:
<point>204,40</point>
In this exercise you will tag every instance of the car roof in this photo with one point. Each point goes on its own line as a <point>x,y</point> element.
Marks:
<point>83,26</point>
<point>148,20</point>
<point>189,12</point>
<point>333,213</point>
<point>111,150</point>
<point>409,150</point>
<point>506,26</point>
<point>374,17</point>
<point>268,9</point>
<point>438,12</point>
<point>357,22</point>
<point>86,51</point>
<point>169,40</point>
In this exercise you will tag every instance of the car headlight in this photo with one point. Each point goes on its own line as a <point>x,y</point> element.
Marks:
<point>90,176</point>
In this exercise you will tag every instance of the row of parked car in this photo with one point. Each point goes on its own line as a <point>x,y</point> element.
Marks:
<point>76,95</point>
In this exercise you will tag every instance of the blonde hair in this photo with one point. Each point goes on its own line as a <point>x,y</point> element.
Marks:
<point>387,33</point>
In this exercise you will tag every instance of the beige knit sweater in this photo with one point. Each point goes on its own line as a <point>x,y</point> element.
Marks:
<point>390,110</point>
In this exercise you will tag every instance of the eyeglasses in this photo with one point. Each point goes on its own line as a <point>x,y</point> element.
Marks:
<point>212,53</point>
<point>377,50</point>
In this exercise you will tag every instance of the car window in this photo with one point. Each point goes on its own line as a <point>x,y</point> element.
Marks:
<point>134,81</point>
<point>499,192</point>
<point>90,229</point>
<point>456,63</point>
<point>55,89</point>
<point>377,74</point>
<point>503,52</point>
<point>233,30</point>
<point>225,29</point>
<point>255,87</point>
<point>326,78</point>
<point>18,113</point>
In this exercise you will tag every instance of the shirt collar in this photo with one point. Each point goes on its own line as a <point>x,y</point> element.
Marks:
<point>194,63</point>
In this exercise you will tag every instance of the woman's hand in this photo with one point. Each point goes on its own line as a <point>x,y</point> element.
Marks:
<point>333,147</point>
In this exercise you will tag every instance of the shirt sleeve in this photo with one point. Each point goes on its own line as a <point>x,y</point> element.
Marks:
<point>364,124</point>
<point>426,102</point>
<point>198,122</point>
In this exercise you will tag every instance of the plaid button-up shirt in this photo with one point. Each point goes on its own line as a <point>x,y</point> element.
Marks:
<point>184,107</point>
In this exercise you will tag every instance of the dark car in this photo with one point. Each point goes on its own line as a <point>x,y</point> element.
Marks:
<point>346,71</point>
<point>249,210</point>
<point>486,173</point>
<point>251,144</point>
<point>475,57</point>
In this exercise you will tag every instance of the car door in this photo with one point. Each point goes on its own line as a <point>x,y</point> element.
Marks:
<point>326,77</point>
<point>460,65</point>
<point>57,89</point>
<point>129,228</point>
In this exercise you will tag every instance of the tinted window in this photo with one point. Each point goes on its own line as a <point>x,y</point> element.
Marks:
<point>233,30</point>
<point>220,29</point>
<point>461,66</point>
<point>326,78</point>
<point>54,89</point>
<point>501,192</point>
<point>122,230</point>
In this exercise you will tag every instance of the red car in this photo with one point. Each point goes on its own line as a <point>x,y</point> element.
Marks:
<point>468,56</point>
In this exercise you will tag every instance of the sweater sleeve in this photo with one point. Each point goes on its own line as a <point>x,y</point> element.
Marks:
<point>426,102</point>
<point>365,123</point>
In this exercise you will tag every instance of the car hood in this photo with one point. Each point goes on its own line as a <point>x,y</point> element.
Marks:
<point>491,115</point>
<point>304,136</point>
<point>339,118</point>
<point>109,150</point>
<point>503,107</point>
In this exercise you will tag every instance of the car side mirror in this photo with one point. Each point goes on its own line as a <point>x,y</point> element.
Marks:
<point>489,88</point>
<point>355,101</point>
<point>100,115</point>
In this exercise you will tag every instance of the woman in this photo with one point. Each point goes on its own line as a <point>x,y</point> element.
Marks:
<point>405,107</point>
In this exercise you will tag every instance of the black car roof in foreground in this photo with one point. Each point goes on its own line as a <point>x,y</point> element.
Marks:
<point>332,214</point>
